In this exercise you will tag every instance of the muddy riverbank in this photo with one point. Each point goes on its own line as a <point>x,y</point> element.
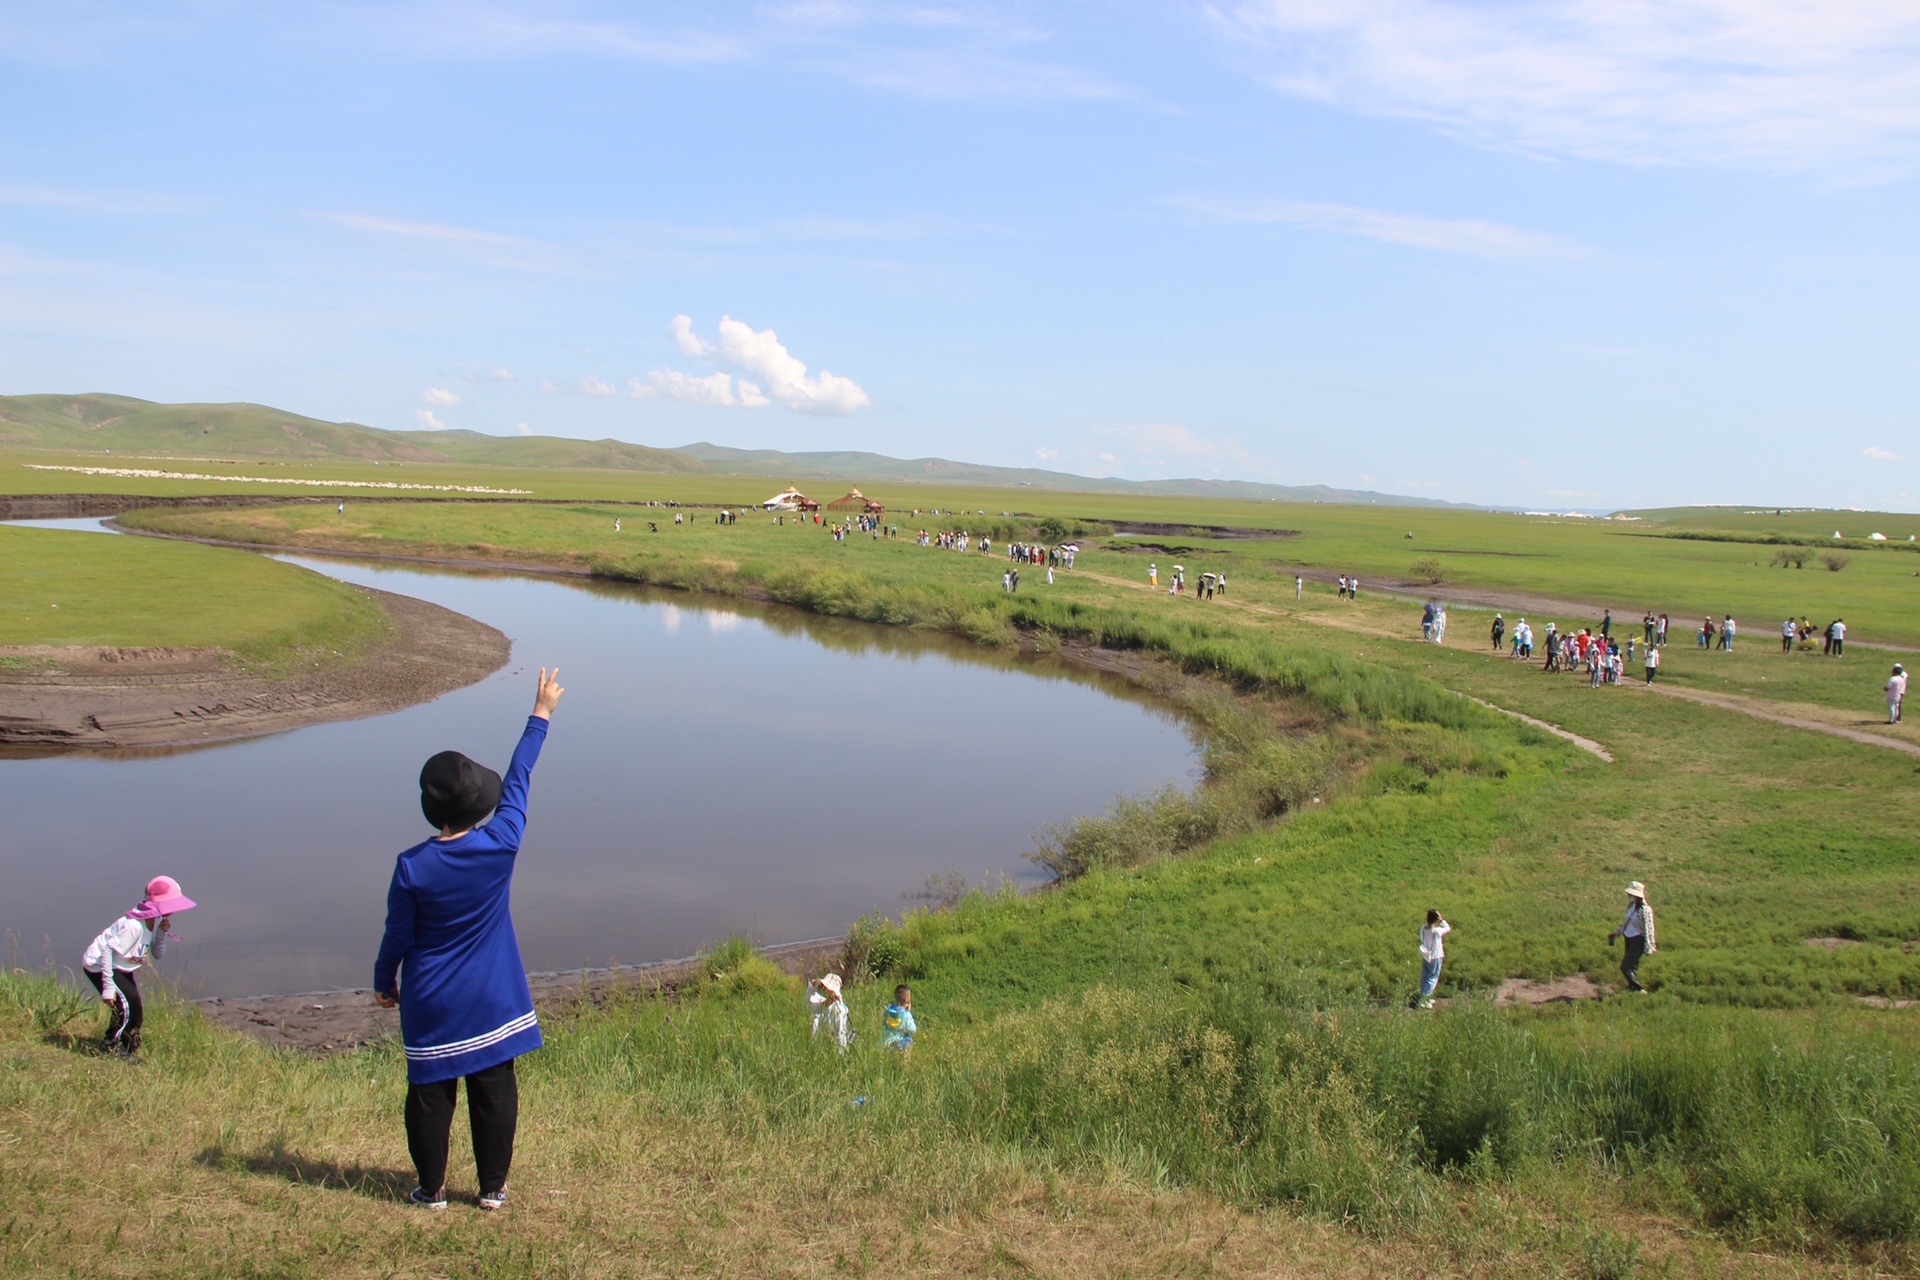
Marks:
<point>61,698</point>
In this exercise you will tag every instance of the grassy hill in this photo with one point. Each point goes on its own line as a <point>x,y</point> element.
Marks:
<point>854,465</point>
<point>122,424</point>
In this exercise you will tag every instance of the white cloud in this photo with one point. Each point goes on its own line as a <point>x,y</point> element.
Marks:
<point>717,390</point>
<point>1047,455</point>
<point>428,421</point>
<point>523,428</point>
<point>689,342</point>
<point>777,374</point>
<point>1774,84</point>
<point>1469,236</point>
<point>1878,454</point>
<point>439,396</point>
<point>1164,447</point>
<point>549,386</point>
<point>497,373</point>
<point>593,386</point>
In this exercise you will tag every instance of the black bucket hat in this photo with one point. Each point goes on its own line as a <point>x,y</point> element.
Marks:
<point>456,792</point>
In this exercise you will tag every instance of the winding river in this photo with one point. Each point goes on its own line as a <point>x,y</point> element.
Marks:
<point>716,767</point>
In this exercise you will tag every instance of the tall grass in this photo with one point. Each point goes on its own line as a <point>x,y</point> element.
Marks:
<point>1286,1090</point>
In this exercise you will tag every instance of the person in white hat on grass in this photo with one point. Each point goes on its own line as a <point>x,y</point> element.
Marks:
<point>1636,931</point>
<point>1896,693</point>
<point>829,1010</point>
<point>125,947</point>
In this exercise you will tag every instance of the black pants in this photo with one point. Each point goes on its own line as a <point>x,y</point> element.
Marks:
<point>1630,962</point>
<point>123,1026</point>
<point>493,1112</point>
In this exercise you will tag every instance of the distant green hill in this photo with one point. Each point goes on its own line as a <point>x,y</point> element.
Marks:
<point>123,424</point>
<point>873,467</point>
<point>126,425</point>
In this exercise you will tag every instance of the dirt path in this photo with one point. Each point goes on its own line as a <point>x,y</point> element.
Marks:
<point>88,698</point>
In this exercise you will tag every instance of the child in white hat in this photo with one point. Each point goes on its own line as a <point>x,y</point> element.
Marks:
<point>124,947</point>
<point>829,1010</point>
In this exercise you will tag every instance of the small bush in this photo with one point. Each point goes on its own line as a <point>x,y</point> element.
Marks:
<point>1429,569</point>
<point>1835,562</point>
<point>736,968</point>
<point>1795,556</point>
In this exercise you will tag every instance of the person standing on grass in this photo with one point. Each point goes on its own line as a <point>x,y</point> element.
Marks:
<point>1298,583</point>
<point>1499,630</point>
<point>1636,932</point>
<point>1606,626</point>
<point>125,947</point>
<point>1660,636</point>
<point>1726,633</point>
<point>1787,633</point>
<point>1432,952</point>
<point>1153,575</point>
<point>1839,637</point>
<point>1646,625</point>
<point>465,1008</point>
<point>1653,662</point>
<point>1426,623</point>
<point>1896,693</point>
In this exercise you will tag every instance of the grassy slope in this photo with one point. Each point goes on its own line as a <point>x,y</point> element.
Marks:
<point>64,588</point>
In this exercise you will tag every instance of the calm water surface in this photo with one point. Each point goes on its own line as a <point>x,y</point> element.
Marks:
<point>713,768</point>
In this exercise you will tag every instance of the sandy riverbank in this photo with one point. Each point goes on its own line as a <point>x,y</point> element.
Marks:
<point>63,698</point>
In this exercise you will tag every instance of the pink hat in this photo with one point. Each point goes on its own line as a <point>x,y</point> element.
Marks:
<point>163,899</point>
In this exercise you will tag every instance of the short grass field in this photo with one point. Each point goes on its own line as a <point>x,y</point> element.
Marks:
<point>1193,1055</point>
<point>64,588</point>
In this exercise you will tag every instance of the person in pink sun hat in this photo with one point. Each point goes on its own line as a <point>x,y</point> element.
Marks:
<point>125,947</point>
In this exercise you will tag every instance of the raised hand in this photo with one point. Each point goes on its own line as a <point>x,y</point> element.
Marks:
<point>549,695</point>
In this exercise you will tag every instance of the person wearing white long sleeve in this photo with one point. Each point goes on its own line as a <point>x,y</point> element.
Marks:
<point>125,947</point>
<point>1432,952</point>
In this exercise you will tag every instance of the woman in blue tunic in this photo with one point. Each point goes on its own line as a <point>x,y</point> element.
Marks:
<point>465,1010</point>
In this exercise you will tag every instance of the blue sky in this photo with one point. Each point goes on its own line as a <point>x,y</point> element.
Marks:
<point>1566,253</point>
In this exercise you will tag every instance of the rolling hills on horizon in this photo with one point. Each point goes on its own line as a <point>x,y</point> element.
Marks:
<point>101,422</point>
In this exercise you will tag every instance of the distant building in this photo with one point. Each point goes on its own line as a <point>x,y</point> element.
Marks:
<point>790,499</point>
<point>856,501</point>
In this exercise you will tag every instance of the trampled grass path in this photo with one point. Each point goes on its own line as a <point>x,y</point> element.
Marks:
<point>1724,701</point>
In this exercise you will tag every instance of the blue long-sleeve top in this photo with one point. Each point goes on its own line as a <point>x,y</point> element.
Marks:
<point>465,1005</point>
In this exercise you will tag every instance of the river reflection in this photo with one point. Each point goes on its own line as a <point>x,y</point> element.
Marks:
<point>715,767</point>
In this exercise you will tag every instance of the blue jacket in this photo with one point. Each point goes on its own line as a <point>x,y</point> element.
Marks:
<point>465,1005</point>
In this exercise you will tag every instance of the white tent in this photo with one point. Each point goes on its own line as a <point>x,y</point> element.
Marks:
<point>788,499</point>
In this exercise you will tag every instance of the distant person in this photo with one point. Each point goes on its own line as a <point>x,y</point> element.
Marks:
<point>1660,636</point>
<point>1606,626</point>
<point>1298,584</point>
<point>1839,637</point>
<point>451,962</point>
<point>830,1011</point>
<point>123,948</point>
<point>1353,587</point>
<point>1153,575</point>
<point>1432,952</point>
<point>1006,582</point>
<point>343,508</point>
<point>1653,662</point>
<point>1647,625</point>
<point>1440,625</point>
<point>1896,693</point>
<point>1426,622</point>
<point>1636,931</point>
<point>1706,633</point>
<point>1343,586</point>
<point>1789,630</point>
<point>616,524</point>
<point>897,1022</point>
<point>1726,633</point>
<point>1499,630</point>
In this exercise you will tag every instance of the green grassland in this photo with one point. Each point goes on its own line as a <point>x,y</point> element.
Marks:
<point>61,588</point>
<point>1192,1056</point>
